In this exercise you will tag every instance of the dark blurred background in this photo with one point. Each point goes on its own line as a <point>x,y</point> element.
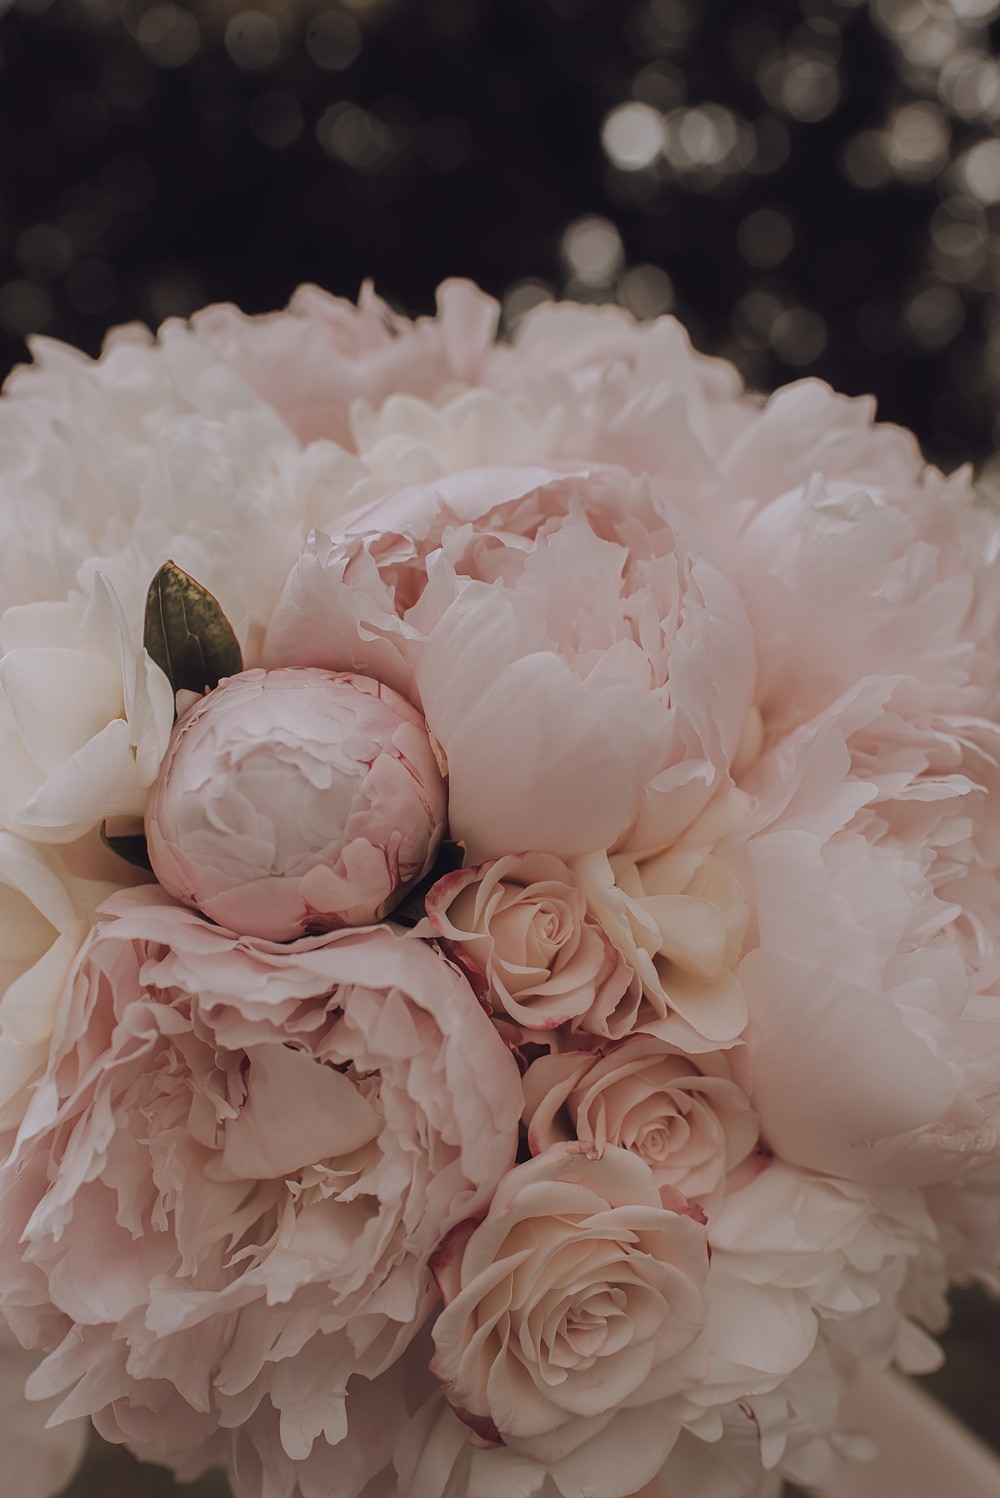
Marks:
<point>812,186</point>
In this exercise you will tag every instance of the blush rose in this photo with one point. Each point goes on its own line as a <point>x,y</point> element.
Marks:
<point>294,802</point>
<point>572,1313</point>
<point>684,1115</point>
<point>522,922</point>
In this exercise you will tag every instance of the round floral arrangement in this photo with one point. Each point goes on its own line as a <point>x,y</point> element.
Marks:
<point>498,907</point>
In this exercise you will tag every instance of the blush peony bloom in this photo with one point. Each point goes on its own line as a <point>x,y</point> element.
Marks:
<point>684,1115</point>
<point>568,724</point>
<point>233,1178</point>
<point>859,860</point>
<point>295,802</point>
<point>571,1315</point>
<point>522,922</point>
<point>38,1462</point>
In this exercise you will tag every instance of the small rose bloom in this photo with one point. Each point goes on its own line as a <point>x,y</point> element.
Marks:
<point>522,922</point>
<point>294,802</point>
<point>570,1315</point>
<point>684,1115</point>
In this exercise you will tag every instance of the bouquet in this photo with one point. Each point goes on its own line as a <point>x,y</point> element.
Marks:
<point>498,907</point>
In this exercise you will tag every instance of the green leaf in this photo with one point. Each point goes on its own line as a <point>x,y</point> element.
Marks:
<point>187,634</point>
<point>413,907</point>
<point>130,846</point>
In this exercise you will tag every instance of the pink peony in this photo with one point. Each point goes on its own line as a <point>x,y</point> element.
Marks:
<point>567,726</point>
<point>684,1115</point>
<point>571,1313</point>
<point>294,802</point>
<point>522,922</point>
<point>38,1462</point>
<point>873,1043</point>
<point>221,1208</point>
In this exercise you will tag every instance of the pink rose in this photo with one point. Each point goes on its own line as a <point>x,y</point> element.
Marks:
<point>684,1115</point>
<point>522,922</point>
<point>293,802</point>
<point>234,1175</point>
<point>583,662</point>
<point>571,1313</point>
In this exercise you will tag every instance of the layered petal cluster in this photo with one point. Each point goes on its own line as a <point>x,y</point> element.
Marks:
<point>38,1461</point>
<point>295,802</point>
<point>85,714</point>
<point>222,1206</point>
<point>567,728</point>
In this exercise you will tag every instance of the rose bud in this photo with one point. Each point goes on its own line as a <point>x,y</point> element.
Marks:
<point>296,801</point>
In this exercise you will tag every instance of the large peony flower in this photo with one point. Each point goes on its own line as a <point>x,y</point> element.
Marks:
<point>568,725</point>
<point>858,862</point>
<point>571,1313</point>
<point>234,1176</point>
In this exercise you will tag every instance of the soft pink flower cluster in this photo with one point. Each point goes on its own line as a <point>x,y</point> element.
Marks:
<point>563,1044</point>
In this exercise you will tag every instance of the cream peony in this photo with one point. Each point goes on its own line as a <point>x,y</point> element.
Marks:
<point>566,728</point>
<point>571,1312</point>
<point>45,914</point>
<point>85,717</point>
<point>294,802</point>
<point>252,1151</point>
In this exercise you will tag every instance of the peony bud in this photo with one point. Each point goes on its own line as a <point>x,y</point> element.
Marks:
<point>296,801</point>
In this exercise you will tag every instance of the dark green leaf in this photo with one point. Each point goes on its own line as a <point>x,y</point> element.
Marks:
<point>131,847</point>
<point>187,634</point>
<point>413,907</point>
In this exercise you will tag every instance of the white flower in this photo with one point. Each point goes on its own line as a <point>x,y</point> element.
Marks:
<point>45,914</point>
<point>85,717</point>
<point>679,917</point>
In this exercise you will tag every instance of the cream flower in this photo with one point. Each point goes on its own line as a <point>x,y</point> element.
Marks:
<point>45,914</point>
<point>679,918</point>
<point>571,1312</point>
<point>684,1115</point>
<point>295,802</point>
<point>522,922</point>
<point>85,715</point>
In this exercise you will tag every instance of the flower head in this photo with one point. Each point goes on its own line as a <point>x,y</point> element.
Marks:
<point>293,802</point>
<point>255,1150</point>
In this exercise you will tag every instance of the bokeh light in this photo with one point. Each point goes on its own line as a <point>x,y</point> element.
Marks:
<point>812,186</point>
